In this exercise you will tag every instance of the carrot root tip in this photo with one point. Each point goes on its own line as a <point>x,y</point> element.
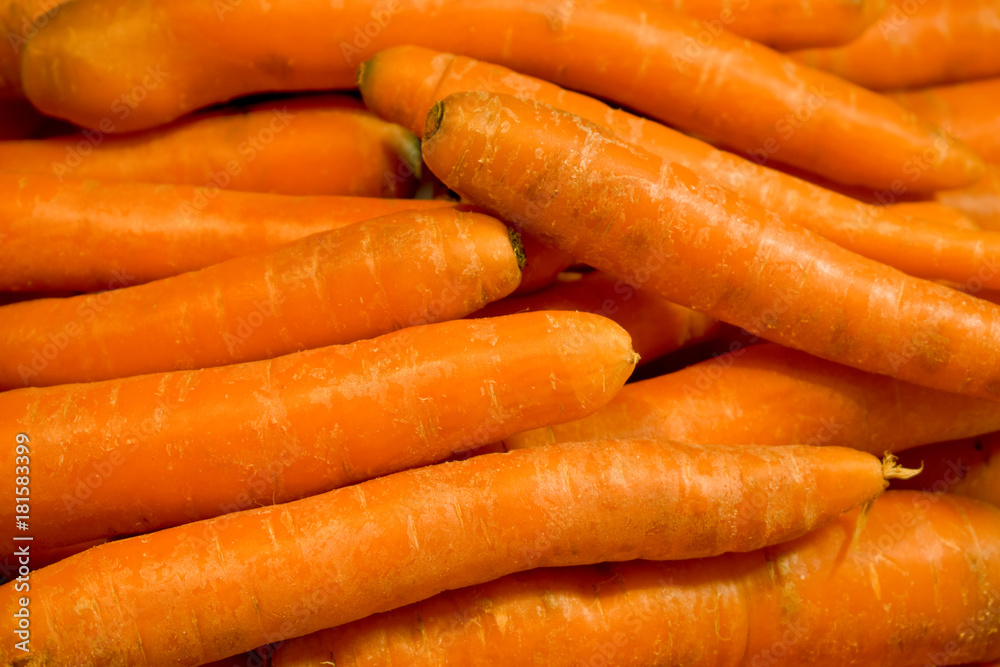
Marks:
<point>892,470</point>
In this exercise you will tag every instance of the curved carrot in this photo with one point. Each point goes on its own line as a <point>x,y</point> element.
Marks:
<point>656,326</point>
<point>969,467</point>
<point>770,395</point>
<point>160,450</point>
<point>311,146</point>
<point>966,110</point>
<point>917,44</point>
<point>401,84</point>
<point>640,55</point>
<point>138,232</point>
<point>331,288</point>
<point>657,225</point>
<point>405,537</point>
<point>981,201</point>
<point>784,24</point>
<point>820,600</point>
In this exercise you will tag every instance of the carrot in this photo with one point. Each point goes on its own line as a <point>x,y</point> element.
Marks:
<point>965,110</point>
<point>657,327</point>
<point>935,212</point>
<point>312,146</point>
<point>20,20</point>
<point>969,467</point>
<point>981,201</point>
<point>770,395</point>
<point>159,450</point>
<point>210,589</point>
<point>918,44</point>
<point>657,225</point>
<point>19,559</point>
<point>138,232</point>
<point>401,84</point>
<point>915,582</point>
<point>636,53</point>
<point>541,266</point>
<point>785,24</point>
<point>335,287</point>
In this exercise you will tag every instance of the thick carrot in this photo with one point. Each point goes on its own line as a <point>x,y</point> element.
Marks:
<point>326,145</point>
<point>656,326</point>
<point>917,44</point>
<point>401,84</point>
<point>785,24</point>
<point>138,232</point>
<point>331,288</point>
<point>981,201</point>
<point>660,227</point>
<point>966,110</point>
<point>159,450</point>
<point>21,559</point>
<point>914,582</point>
<point>635,52</point>
<point>770,395</point>
<point>210,589</point>
<point>969,467</point>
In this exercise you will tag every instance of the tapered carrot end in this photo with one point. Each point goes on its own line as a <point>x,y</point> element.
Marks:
<point>434,117</point>
<point>891,469</point>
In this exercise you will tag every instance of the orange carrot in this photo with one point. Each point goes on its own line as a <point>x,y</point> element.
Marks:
<point>138,232</point>
<point>914,582</point>
<point>917,44</point>
<point>637,53</point>
<point>160,450</point>
<point>969,467</point>
<point>401,84</point>
<point>656,326</point>
<point>20,20</point>
<point>981,201</point>
<point>785,24</point>
<point>770,395</point>
<point>660,227</point>
<point>936,212</point>
<point>966,110</point>
<point>311,146</point>
<point>210,589</point>
<point>541,266</point>
<point>20,561</point>
<point>335,287</point>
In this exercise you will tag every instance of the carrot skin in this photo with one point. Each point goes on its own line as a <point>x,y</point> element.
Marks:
<point>785,24</point>
<point>969,467</point>
<point>819,600</point>
<point>158,450</point>
<point>135,233</point>
<point>980,201</point>
<point>852,135</point>
<point>658,226</point>
<point>405,537</point>
<point>965,110</point>
<point>326,145</point>
<point>657,327</point>
<point>915,45</point>
<point>402,83</point>
<point>770,395</point>
<point>332,288</point>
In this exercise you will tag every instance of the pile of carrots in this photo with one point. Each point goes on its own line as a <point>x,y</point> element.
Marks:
<point>563,332</point>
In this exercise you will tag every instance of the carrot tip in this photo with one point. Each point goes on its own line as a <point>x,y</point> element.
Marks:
<point>892,470</point>
<point>515,241</point>
<point>434,117</point>
<point>360,76</point>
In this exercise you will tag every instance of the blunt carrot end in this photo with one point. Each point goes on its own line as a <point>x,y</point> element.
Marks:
<point>891,469</point>
<point>434,117</point>
<point>515,241</point>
